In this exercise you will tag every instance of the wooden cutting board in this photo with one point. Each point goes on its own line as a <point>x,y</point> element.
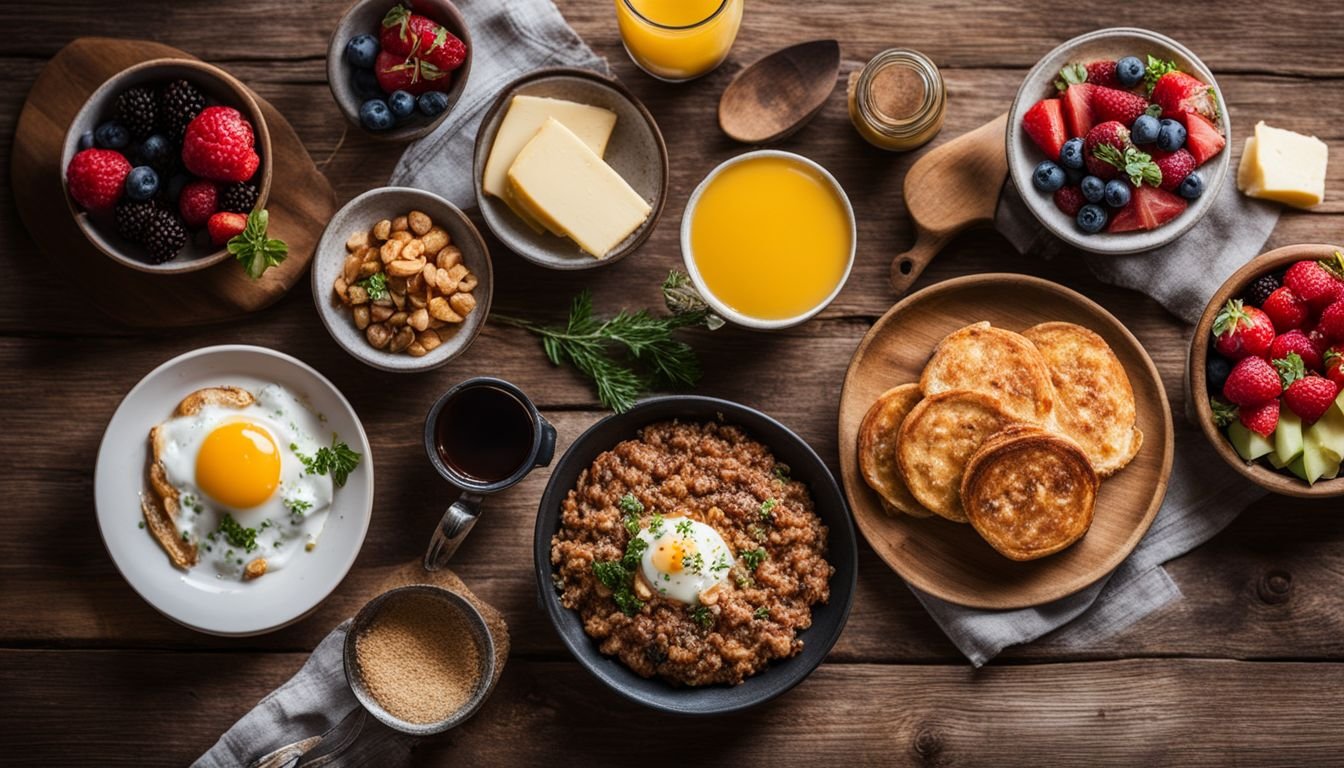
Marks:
<point>300,204</point>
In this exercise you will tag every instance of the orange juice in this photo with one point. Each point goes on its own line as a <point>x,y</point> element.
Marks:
<point>678,39</point>
<point>771,237</point>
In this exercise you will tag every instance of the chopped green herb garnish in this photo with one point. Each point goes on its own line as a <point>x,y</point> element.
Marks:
<point>236,534</point>
<point>633,552</point>
<point>693,563</point>
<point>142,525</point>
<point>782,472</point>
<point>762,613</point>
<point>758,532</point>
<point>701,615</point>
<point>630,505</point>
<point>375,285</point>
<point>656,525</point>
<point>338,460</point>
<point>611,574</point>
<point>296,509</point>
<point>752,558</point>
<point>720,564</point>
<point>767,507</point>
<point>684,528</point>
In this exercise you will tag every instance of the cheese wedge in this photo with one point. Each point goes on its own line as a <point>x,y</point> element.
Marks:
<point>1284,166</point>
<point>593,125</point>
<point>562,184</point>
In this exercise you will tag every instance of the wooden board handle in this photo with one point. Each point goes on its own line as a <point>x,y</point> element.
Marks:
<point>907,267</point>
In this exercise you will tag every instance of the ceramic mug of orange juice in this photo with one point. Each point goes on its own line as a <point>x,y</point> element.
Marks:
<point>768,239</point>
<point>677,40</point>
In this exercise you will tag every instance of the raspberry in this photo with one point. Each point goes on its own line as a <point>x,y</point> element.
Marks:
<point>95,178</point>
<point>1069,200</point>
<point>136,110</point>
<point>218,146</point>
<point>198,200</point>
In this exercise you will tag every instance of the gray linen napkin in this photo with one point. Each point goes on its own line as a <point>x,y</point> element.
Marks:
<point>1203,494</point>
<point>511,38</point>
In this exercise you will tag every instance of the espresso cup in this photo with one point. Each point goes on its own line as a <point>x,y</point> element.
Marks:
<point>483,435</point>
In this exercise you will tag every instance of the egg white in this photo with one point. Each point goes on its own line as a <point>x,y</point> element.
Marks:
<point>712,567</point>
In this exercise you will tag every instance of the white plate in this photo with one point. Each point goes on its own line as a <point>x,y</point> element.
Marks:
<point>195,598</point>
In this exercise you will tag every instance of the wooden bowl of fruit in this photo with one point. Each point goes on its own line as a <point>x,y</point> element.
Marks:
<point>164,163</point>
<point>1116,141</point>
<point>397,67</point>
<point>1267,367</point>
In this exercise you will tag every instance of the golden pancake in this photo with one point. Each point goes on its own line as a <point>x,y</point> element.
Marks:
<point>1029,492</point>
<point>1094,399</point>
<point>879,434</point>
<point>937,439</point>
<point>981,358</point>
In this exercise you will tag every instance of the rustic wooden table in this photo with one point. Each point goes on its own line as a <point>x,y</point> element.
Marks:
<point>1247,669</point>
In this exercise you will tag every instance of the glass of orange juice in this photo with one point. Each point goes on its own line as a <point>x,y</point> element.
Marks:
<point>678,40</point>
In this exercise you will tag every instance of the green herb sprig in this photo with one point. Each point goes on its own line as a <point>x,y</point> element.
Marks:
<point>236,534</point>
<point>254,249</point>
<point>337,460</point>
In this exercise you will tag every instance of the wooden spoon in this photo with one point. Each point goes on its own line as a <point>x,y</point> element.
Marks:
<point>777,95</point>
<point>951,188</point>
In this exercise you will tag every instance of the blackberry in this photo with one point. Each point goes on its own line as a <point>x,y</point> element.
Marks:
<point>163,236</point>
<point>1261,288</point>
<point>179,104</point>
<point>136,110</point>
<point>132,219</point>
<point>239,198</point>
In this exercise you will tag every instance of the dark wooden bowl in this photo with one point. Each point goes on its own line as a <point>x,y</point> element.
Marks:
<point>1196,383</point>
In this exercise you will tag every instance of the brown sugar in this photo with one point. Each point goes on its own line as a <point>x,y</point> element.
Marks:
<point>897,91</point>
<point>419,659</point>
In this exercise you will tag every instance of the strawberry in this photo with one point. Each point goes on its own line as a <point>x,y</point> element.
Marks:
<point>1241,331</point>
<point>218,145</point>
<point>1260,419</point>
<point>1305,394</point>
<point>95,178</point>
<point>1318,339</point>
<point>1253,382</point>
<point>1179,94</point>
<point>402,31</point>
<point>1044,123</point>
<point>446,51</point>
<point>1102,72</point>
<point>1111,134</point>
<point>1070,200</point>
<point>1150,208</point>
<point>1332,322</point>
<point>1077,103</point>
<point>1313,283</point>
<point>412,74</point>
<point>1296,342</point>
<point>1175,166</point>
<point>1334,364</point>
<point>1115,104</point>
<point>1202,138</point>
<point>198,200</point>
<point>1286,310</point>
<point>224,226</point>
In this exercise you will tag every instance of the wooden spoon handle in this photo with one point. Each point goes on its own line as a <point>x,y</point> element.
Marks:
<point>907,267</point>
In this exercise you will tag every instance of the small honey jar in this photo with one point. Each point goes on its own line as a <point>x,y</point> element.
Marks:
<point>897,100</point>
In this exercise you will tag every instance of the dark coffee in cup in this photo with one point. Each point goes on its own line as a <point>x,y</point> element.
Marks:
<point>484,433</point>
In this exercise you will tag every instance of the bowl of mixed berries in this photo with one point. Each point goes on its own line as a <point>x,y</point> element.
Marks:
<point>1267,369</point>
<point>396,69</point>
<point>167,164</point>
<point>1116,141</point>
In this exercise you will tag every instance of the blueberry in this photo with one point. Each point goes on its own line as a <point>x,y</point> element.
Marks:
<point>1192,186</point>
<point>86,140</point>
<point>1091,218</point>
<point>375,115</point>
<point>1144,130</point>
<point>365,84</point>
<point>1170,136</point>
<point>1129,71</point>
<point>1216,370</point>
<point>154,150</point>
<point>111,135</point>
<point>401,104</point>
<point>142,183</point>
<point>361,51</point>
<point>1093,188</point>
<point>1071,155</point>
<point>1117,193</point>
<point>432,103</point>
<point>1048,177</point>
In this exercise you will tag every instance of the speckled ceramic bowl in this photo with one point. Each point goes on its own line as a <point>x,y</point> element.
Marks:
<point>329,260</point>
<point>365,17</point>
<point>636,151</point>
<point>1024,155</point>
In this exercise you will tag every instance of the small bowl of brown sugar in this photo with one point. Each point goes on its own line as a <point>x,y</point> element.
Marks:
<point>420,659</point>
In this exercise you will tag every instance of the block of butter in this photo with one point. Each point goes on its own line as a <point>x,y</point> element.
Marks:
<point>593,125</point>
<point>1284,166</point>
<point>560,182</point>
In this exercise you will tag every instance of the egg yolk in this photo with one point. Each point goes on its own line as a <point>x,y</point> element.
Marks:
<point>670,557</point>
<point>238,465</point>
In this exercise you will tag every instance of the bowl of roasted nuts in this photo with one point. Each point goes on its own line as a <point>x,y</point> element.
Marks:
<point>402,279</point>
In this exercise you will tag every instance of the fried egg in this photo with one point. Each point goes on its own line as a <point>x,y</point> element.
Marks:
<point>248,465</point>
<point>684,558</point>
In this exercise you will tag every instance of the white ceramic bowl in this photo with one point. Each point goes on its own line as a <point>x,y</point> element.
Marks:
<point>1024,155</point>
<point>688,256</point>
<point>195,598</point>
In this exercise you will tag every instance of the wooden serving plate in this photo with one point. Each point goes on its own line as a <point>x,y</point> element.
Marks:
<point>301,202</point>
<point>1197,386</point>
<point>949,560</point>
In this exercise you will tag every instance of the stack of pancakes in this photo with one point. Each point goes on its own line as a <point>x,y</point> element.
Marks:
<point>1009,432</point>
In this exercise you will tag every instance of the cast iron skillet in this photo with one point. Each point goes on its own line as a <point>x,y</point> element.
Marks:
<point>827,620</point>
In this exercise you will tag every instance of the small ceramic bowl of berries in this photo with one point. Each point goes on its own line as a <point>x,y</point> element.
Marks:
<point>1116,141</point>
<point>397,68</point>
<point>1267,370</point>
<point>166,163</point>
